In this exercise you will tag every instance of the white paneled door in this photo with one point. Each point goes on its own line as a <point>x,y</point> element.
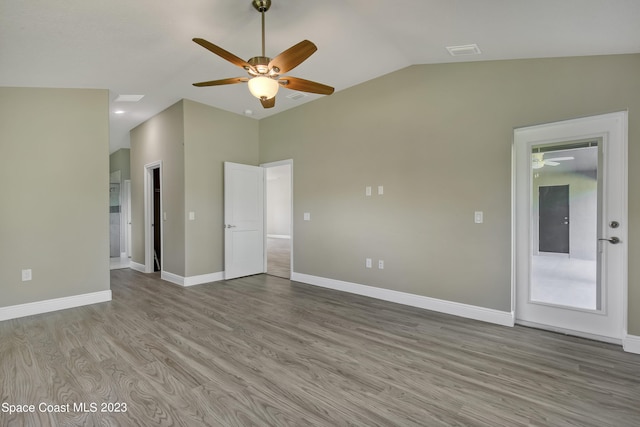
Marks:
<point>243,220</point>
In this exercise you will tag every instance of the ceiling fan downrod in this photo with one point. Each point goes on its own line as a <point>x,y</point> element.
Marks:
<point>262,6</point>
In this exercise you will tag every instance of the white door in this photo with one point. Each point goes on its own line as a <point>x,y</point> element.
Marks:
<point>243,220</point>
<point>581,290</point>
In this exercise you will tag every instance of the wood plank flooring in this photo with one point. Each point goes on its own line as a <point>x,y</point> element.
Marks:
<point>264,351</point>
<point>279,257</point>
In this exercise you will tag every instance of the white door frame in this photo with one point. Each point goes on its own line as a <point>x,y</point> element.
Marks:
<point>266,166</point>
<point>148,216</point>
<point>606,126</point>
<point>126,219</point>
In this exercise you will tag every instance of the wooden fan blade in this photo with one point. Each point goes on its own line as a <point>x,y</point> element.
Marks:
<point>268,103</point>
<point>305,85</point>
<point>294,56</point>
<point>223,53</point>
<point>230,81</point>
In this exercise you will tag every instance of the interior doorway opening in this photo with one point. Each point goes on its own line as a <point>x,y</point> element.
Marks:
<point>153,217</point>
<point>278,218</point>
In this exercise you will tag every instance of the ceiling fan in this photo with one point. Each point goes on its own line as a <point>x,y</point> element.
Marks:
<point>538,161</point>
<point>265,74</point>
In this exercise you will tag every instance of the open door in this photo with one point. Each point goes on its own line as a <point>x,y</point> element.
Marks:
<point>243,220</point>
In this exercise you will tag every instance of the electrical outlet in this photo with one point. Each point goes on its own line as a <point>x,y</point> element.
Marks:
<point>368,263</point>
<point>381,264</point>
<point>26,275</point>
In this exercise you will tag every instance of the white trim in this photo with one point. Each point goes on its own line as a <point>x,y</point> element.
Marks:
<point>137,267</point>
<point>173,278</point>
<point>587,335</point>
<point>191,280</point>
<point>203,278</point>
<point>46,306</point>
<point>449,307</point>
<point>631,344</point>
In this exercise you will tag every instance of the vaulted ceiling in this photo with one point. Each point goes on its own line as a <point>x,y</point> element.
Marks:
<point>144,46</point>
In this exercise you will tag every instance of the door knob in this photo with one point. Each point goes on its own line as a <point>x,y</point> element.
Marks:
<point>614,240</point>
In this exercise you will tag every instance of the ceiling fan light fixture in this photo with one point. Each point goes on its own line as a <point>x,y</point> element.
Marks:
<point>263,87</point>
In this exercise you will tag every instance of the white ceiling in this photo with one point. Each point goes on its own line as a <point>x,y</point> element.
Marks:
<point>144,46</point>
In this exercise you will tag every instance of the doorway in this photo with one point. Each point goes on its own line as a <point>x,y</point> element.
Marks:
<point>279,206</point>
<point>570,226</point>
<point>153,217</point>
<point>553,218</point>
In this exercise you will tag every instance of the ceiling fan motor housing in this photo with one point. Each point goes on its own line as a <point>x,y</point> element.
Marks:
<point>261,5</point>
<point>261,65</point>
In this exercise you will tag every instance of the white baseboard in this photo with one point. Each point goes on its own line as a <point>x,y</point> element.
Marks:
<point>137,267</point>
<point>457,309</point>
<point>587,335</point>
<point>46,306</point>
<point>631,344</point>
<point>203,278</point>
<point>191,280</point>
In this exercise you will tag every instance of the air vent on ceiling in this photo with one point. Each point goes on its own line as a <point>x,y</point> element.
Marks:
<point>128,98</point>
<point>297,95</point>
<point>464,50</point>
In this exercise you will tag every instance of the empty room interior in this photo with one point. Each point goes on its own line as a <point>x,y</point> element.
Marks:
<point>422,213</point>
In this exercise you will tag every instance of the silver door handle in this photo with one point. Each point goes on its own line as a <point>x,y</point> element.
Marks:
<point>614,240</point>
<point>230,226</point>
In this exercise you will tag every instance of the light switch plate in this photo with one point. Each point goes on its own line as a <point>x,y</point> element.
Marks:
<point>367,191</point>
<point>307,216</point>
<point>380,190</point>
<point>192,216</point>
<point>478,217</point>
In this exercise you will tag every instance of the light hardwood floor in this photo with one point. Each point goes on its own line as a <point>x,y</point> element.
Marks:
<point>279,257</point>
<point>264,351</point>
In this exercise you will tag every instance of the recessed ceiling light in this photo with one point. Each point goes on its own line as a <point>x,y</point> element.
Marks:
<point>119,112</point>
<point>467,49</point>
<point>128,98</point>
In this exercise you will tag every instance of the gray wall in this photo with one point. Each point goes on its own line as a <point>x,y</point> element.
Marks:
<point>54,181</point>
<point>121,161</point>
<point>193,141</point>
<point>438,137</point>
<point>212,136</point>
<point>160,138</point>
